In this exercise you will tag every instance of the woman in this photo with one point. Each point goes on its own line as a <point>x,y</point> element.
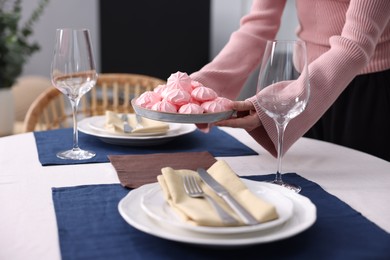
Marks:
<point>348,43</point>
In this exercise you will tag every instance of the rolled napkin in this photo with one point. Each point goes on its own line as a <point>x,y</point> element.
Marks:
<point>198,211</point>
<point>114,123</point>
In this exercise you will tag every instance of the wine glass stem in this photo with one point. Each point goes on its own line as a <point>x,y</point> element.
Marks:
<point>280,127</point>
<point>74,104</point>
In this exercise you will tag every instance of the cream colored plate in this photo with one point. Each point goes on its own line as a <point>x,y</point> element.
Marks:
<point>175,131</point>
<point>304,216</point>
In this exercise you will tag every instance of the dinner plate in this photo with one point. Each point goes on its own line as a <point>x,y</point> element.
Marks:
<point>154,204</point>
<point>304,216</point>
<point>181,118</point>
<point>175,130</point>
<point>98,123</point>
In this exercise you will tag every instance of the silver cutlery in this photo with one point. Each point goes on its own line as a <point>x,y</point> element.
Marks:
<point>193,189</point>
<point>138,118</point>
<point>224,194</point>
<point>126,127</point>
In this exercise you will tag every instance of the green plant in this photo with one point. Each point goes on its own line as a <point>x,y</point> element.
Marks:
<point>15,49</point>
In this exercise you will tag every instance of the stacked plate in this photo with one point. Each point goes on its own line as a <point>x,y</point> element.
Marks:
<point>95,126</point>
<point>181,118</point>
<point>145,209</point>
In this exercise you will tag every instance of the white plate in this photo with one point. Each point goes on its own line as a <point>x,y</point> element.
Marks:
<point>98,123</point>
<point>181,118</point>
<point>304,216</point>
<point>175,130</point>
<point>154,204</point>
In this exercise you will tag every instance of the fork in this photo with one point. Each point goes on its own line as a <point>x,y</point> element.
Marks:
<point>193,190</point>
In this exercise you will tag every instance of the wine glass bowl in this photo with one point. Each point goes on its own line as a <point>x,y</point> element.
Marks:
<point>74,86</point>
<point>73,72</point>
<point>283,89</point>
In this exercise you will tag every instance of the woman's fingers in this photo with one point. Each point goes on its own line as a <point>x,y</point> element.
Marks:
<point>248,122</point>
<point>242,105</point>
<point>204,127</point>
<point>246,118</point>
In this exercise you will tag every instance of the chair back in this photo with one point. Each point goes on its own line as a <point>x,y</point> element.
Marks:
<point>113,91</point>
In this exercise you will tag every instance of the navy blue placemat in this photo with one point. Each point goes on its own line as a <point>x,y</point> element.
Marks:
<point>90,227</point>
<point>216,142</point>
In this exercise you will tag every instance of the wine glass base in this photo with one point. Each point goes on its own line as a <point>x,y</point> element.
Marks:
<point>76,154</point>
<point>289,186</point>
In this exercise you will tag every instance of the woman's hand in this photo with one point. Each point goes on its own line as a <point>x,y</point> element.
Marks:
<point>247,117</point>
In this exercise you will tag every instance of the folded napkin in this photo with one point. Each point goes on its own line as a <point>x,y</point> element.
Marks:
<point>136,170</point>
<point>198,211</point>
<point>114,123</point>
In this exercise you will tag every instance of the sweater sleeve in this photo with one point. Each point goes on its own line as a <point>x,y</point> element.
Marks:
<point>332,71</point>
<point>228,71</point>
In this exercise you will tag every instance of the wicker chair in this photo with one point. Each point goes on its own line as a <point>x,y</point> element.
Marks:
<point>112,92</point>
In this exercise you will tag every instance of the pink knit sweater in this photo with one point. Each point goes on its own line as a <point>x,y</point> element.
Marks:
<point>344,38</point>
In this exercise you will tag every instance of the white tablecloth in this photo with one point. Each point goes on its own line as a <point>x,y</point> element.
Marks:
<point>27,219</point>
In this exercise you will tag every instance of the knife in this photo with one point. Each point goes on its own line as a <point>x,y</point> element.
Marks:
<point>126,127</point>
<point>225,195</point>
<point>138,118</point>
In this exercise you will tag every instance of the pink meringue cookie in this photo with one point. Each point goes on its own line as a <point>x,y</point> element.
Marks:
<point>160,88</point>
<point>177,97</point>
<point>148,99</point>
<point>194,101</point>
<point>204,94</point>
<point>191,108</point>
<point>164,92</point>
<point>180,80</point>
<point>196,84</point>
<point>225,102</point>
<point>164,106</point>
<point>212,106</point>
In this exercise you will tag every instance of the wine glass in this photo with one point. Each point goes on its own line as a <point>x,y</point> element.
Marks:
<point>73,72</point>
<point>283,89</point>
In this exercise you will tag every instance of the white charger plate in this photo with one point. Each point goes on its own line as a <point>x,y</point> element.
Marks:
<point>181,118</point>
<point>154,204</point>
<point>175,130</point>
<point>304,216</point>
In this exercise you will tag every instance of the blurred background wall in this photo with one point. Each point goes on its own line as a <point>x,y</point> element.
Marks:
<point>224,18</point>
<point>151,37</point>
<point>58,14</point>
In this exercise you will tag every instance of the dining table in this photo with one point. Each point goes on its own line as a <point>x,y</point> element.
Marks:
<point>30,192</point>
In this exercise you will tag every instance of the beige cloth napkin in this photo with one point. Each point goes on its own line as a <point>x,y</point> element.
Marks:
<point>198,211</point>
<point>114,123</point>
<point>136,170</point>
